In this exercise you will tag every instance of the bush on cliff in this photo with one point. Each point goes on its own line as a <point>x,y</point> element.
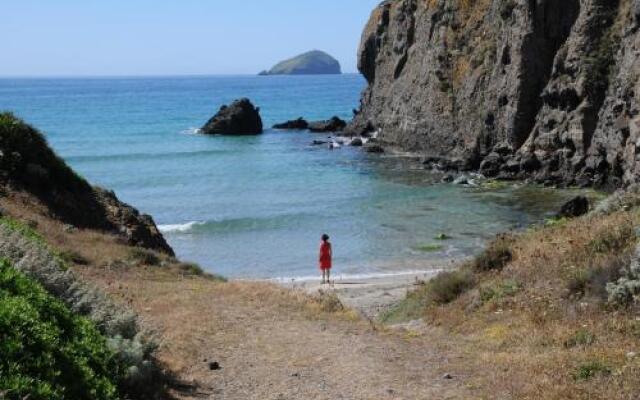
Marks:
<point>25,157</point>
<point>47,352</point>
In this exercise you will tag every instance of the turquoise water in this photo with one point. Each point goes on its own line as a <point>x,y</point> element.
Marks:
<point>255,207</point>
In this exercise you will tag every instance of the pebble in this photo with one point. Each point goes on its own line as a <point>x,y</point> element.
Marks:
<point>214,366</point>
<point>631,355</point>
<point>447,376</point>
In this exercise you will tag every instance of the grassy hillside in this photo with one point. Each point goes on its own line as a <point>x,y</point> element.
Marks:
<point>553,311</point>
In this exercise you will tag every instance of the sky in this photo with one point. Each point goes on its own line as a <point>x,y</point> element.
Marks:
<point>177,37</point>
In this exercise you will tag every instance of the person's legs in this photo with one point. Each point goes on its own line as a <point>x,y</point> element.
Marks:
<point>328,275</point>
<point>324,273</point>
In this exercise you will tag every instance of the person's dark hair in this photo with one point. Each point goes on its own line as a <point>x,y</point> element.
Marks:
<point>325,237</point>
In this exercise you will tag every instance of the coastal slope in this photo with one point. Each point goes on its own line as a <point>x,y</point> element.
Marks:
<point>516,89</point>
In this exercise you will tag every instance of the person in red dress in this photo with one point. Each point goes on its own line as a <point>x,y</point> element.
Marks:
<point>325,258</point>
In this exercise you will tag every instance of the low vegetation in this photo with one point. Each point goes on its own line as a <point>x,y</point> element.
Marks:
<point>554,309</point>
<point>48,352</point>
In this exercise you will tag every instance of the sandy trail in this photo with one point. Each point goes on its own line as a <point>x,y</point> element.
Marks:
<point>270,344</point>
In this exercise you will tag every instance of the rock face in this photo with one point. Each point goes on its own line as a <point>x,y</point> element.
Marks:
<point>295,124</point>
<point>334,124</point>
<point>239,118</point>
<point>542,89</point>
<point>314,62</point>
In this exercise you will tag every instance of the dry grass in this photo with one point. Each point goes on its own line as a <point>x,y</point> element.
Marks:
<point>541,320</point>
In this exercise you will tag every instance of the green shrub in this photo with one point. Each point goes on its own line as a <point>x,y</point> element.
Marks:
<point>499,291</point>
<point>73,257</point>
<point>448,286</point>
<point>27,158</point>
<point>581,338</point>
<point>193,269</point>
<point>47,352</point>
<point>142,256</point>
<point>494,257</point>
<point>21,228</point>
<point>591,369</point>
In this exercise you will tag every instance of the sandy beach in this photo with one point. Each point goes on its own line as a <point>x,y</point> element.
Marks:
<point>369,295</point>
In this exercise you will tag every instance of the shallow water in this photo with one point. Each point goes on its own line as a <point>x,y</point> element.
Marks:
<point>254,207</point>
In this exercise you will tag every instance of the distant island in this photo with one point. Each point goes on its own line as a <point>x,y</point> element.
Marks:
<point>314,62</point>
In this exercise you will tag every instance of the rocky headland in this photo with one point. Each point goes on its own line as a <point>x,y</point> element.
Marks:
<point>543,90</point>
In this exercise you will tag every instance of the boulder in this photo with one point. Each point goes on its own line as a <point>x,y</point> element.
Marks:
<point>334,124</point>
<point>294,124</point>
<point>374,148</point>
<point>575,207</point>
<point>356,142</point>
<point>239,118</point>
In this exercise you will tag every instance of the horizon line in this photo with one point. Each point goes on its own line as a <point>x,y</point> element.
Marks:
<point>99,76</point>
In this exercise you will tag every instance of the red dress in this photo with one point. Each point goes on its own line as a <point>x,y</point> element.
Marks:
<point>325,255</point>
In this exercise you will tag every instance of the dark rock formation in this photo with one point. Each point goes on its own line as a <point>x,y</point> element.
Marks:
<point>28,164</point>
<point>575,207</point>
<point>294,124</point>
<point>356,142</point>
<point>238,118</point>
<point>517,89</point>
<point>374,148</point>
<point>311,63</point>
<point>138,229</point>
<point>334,124</point>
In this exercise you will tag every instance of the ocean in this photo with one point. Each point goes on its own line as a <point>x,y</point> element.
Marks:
<point>255,207</point>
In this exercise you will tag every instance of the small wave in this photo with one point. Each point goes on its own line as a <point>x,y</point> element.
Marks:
<point>244,224</point>
<point>179,228</point>
<point>190,131</point>
<point>147,156</point>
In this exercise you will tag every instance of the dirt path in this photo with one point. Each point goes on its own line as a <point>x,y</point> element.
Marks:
<point>272,344</point>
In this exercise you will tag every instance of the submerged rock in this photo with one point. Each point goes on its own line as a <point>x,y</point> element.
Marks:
<point>334,124</point>
<point>239,118</point>
<point>294,124</point>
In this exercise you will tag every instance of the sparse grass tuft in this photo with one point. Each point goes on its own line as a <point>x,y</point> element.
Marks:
<point>500,290</point>
<point>590,370</point>
<point>581,338</point>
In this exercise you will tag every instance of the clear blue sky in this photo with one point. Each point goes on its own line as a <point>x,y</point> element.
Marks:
<point>146,37</point>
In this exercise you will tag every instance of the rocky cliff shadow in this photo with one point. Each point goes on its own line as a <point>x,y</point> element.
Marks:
<point>551,24</point>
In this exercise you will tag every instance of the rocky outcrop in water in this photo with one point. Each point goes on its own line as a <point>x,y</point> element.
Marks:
<point>314,62</point>
<point>541,89</point>
<point>334,124</point>
<point>294,124</point>
<point>239,118</point>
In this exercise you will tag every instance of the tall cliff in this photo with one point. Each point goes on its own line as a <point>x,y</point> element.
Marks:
<point>546,89</point>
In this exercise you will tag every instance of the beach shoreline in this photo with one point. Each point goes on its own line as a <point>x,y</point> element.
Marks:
<point>370,295</point>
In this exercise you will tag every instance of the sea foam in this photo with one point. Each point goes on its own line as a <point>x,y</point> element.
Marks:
<point>181,228</point>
